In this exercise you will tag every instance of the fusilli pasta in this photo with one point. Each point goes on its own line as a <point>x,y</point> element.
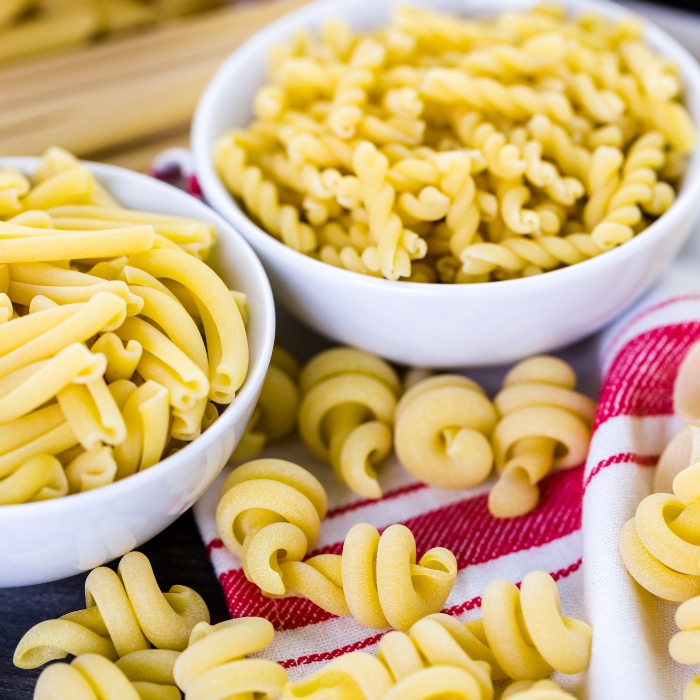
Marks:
<point>385,153</point>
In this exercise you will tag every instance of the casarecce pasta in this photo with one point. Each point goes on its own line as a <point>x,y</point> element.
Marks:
<point>343,159</point>
<point>346,414</point>
<point>443,431</point>
<point>541,414</point>
<point>117,342</point>
<point>125,613</point>
<point>537,690</point>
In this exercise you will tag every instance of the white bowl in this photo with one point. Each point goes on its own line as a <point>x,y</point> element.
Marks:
<point>49,540</point>
<point>440,325</point>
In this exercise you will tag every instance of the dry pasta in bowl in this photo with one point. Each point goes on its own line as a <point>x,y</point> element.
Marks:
<point>118,343</point>
<point>460,150</point>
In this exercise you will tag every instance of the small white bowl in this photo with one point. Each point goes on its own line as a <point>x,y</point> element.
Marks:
<point>440,325</point>
<point>50,540</point>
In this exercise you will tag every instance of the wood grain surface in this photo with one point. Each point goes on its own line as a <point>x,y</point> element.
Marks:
<point>126,98</point>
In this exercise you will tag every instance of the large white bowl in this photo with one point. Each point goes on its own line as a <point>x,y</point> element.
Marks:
<point>440,325</point>
<point>49,540</point>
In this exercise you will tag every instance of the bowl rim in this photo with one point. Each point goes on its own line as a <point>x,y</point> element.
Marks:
<point>246,395</point>
<point>219,197</point>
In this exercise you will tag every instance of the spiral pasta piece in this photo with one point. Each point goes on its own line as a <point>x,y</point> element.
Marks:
<point>261,196</point>
<point>382,583</point>
<point>443,428</point>
<point>394,246</point>
<point>526,632</point>
<point>683,646</point>
<point>658,546</point>
<point>275,415</point>
<point>214,665</point>
<point>270,513</point>
<point>637,188</point>
<point>541,414</point>
<point>346,413</point>
<point>126,612</point>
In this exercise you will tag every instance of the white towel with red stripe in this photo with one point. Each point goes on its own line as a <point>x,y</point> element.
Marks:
<point>572,534</point>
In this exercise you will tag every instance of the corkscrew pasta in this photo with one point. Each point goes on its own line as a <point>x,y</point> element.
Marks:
<point>117,342</point>
<point>214,665</point>
<point>541,415</point>
<point>346,414</point>
<point>443,430</point>
<point>275,415</point>
<point>126,612</point>
<point>444,149</point>
<point>658,546</point>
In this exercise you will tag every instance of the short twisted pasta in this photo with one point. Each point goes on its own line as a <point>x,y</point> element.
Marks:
<point>683,645</point>
<point>275,415</point>
<point>346,414</point>
<point>638,187</point>
<point>270,512</point>
<point>659,545</point>
<point>214,665</point>
<point>376,580</point>
<point>126,612</point>
<point>261,196</point>
<point>394,246</point>
<point>540,414</point>
<point>526,632</point>
<point>443,428</point>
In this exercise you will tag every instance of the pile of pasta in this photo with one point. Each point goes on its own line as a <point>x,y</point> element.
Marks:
<point>352,410</point>
<point>118,344</point>
<point>29,27</point>
<point>134,642</point>
<point>444,149</point>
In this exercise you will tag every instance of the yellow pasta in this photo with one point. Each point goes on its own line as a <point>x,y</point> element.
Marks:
<point>151,672</point>
<point>275,414</point>
<point>346,413</point>
<point>270,512</point>
<point>126,612</point>
<point>376,580</point>
<point>526,632</point>
<point>683,645</point>
<point>659,545</point>
<point>115,337</point>
<point>38,479</point>
<point>443,430</point>
<point>537,690</point>
<point>88,677</point>
<point>541,414</point>
<point>214,663</point>
<point>461,150</point>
